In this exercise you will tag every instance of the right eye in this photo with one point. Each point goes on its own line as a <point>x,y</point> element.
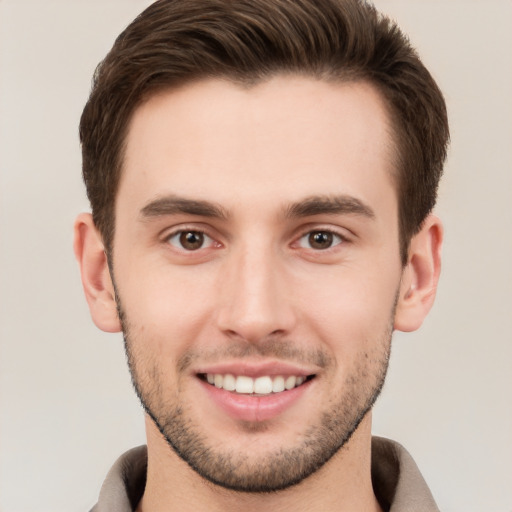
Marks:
<point>190,240</point>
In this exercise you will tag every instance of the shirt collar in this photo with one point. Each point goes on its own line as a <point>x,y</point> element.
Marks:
<point>397,481</point>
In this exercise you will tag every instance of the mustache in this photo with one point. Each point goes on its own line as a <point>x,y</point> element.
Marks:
<point>282,350</point>
<point>272,347</point>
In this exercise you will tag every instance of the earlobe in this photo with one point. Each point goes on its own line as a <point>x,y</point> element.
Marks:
<point>96,280</point>
<point>420,276</point>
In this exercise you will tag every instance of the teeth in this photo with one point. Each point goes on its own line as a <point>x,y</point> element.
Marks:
<point>290,382</point>
<point>218,380</point>
<point>244,384</point>
<point>259,386</point>
<point>263,385</point>
<point>278,384</point>
<point>229,382</point>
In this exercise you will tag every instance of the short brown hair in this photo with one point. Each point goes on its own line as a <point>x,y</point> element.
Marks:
<point>247,41</point>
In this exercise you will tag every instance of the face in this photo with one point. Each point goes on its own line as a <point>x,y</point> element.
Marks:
<point>256,263</point>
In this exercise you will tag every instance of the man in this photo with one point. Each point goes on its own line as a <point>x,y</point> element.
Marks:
<point>261,175</point>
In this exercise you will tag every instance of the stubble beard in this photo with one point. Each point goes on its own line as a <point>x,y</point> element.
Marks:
<point>283,467</point>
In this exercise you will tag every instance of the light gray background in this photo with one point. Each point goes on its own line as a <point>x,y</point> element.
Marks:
<point>67,408</point>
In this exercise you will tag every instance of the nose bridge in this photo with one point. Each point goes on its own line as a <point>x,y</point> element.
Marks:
<point>254,299</point>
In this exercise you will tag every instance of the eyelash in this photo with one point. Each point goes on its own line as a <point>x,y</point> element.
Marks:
<point>336,239</point>
<point>185,231</point>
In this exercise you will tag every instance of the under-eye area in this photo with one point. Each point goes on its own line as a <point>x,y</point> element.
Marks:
<point>264,385</point>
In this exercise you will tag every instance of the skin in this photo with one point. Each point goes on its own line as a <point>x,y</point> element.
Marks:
<point>269,166</point>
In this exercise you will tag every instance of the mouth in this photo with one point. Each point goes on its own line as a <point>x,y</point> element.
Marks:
<point>263,385</point>
<point>257,391</point>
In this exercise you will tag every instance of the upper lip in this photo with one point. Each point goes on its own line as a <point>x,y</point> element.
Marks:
<point>252,369</point>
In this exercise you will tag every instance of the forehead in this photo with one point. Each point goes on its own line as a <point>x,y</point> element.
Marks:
<point>284,138</point>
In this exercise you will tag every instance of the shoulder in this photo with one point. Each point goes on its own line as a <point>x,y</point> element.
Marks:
<point>397,481</point>
<point>124,484</point>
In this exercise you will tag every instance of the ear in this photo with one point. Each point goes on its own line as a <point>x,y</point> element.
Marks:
<point>420,276</point>
<point>96,280</point>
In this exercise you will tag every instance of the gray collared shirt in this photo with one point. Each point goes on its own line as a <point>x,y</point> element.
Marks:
<point>397,482</point>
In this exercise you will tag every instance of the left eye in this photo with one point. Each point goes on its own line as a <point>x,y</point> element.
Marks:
<point>190,240</point>
<point>319,240</point>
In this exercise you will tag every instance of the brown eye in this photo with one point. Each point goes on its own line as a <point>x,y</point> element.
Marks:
<point>320,240</point>
<point>190,240</point>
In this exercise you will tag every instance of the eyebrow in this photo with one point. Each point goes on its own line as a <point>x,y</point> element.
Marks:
<point>334,205</point>
<point>172,205</point>
<point>308,207</point>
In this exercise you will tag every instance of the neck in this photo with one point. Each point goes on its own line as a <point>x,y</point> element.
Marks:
<point>343,484</point>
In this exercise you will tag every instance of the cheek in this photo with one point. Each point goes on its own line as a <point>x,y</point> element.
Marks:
<point>350,310</point>
<point>165,309</point>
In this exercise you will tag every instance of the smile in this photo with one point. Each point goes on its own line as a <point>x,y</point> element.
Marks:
<point>259,392</point>
<point>260,386</point>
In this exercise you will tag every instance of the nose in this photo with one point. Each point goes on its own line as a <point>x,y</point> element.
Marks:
<point>255,302</point>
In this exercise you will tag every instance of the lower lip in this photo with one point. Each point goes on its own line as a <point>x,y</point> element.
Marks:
<point>255,408</point>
